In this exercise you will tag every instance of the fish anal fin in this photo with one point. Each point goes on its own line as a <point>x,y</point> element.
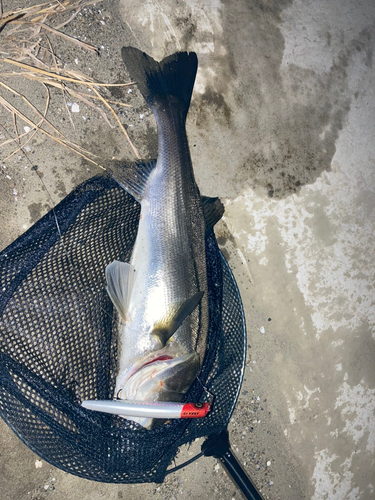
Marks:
<point>168,325</point>
<point>133,178</point>
<point>213,211</point>
<point>120,280</point>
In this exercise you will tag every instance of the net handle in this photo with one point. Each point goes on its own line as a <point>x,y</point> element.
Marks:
<point>218,446</point>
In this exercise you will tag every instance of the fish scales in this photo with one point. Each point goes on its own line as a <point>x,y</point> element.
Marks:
<point>161,295</point>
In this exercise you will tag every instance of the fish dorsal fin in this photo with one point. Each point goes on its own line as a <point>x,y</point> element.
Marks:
<point>213,211</point>
<point>120,280</point>
<point>133,178</point>
<point>168,325</point>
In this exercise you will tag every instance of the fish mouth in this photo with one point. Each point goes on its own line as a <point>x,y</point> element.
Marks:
<point>162,357</point>
<point>159,355</point>
<point>161,377</point>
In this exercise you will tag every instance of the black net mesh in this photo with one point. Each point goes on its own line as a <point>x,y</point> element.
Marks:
<point>58,342</point>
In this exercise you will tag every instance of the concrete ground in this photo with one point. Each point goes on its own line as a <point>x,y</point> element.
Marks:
<point>282,128</point>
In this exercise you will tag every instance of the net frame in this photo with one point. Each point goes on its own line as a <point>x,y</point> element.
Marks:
<point>58,342</point>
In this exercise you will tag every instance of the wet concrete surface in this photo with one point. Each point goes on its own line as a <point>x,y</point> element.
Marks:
<point>281,127</point>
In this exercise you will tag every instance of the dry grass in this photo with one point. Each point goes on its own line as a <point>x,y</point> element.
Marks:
<point>23,39</point>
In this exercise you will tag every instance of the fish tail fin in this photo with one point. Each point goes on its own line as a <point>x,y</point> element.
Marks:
<point>171,79</point>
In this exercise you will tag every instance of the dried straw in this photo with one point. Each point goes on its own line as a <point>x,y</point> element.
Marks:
<point>88,81</point>
<point>23,42</point>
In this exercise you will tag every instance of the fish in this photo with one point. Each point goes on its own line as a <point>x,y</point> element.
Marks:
<point>161,294</point>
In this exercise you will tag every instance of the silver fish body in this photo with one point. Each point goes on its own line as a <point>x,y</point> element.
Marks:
<point>162,295</point>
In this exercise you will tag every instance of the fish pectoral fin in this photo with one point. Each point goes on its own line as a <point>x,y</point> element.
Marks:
<point>120,280</point>
<point>213,211</point>
<point>165,328</point>
<point>133,178</point>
